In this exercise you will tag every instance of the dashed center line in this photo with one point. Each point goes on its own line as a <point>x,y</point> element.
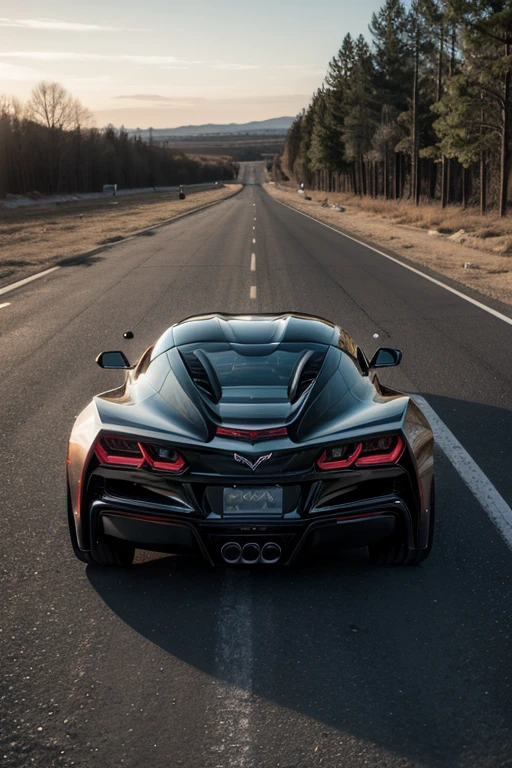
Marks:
<point>254,227</point>
<point>253,240</point>
<point>253,262</point>
<point>252,292</point>
<point>6,304</point>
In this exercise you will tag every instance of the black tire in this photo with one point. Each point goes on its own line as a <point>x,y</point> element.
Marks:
<point>112,553</point>
<point>105,553</point>
<point>396,552</point>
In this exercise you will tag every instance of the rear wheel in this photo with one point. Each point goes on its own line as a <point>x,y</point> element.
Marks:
<point>106,552</point>
<point>112,553</point>
<point>396,552</point>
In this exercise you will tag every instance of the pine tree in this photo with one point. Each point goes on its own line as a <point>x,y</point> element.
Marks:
<point>488,51</point>
<point>392,61</point>
<point>361,117</point>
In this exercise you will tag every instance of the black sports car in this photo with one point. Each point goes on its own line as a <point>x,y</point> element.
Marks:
<point>251,439</point>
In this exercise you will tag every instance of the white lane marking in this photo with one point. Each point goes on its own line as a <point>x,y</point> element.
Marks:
<point>254,241</point>
<point>166,223</point>
<point>253,262</point>
<point>478,483</point>
<point>26,280</point>
<point>255,218</point>
<point>254,227</point>
<point>234,666</point>
<point>461,295</point>
<point>6,304</point>
<point>252,292</point>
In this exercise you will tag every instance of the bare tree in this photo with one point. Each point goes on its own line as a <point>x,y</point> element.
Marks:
<point>10,106</point>
<point>51,105</point>
<point>80,117</point>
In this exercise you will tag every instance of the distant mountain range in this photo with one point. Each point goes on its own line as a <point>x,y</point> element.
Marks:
<point>274,125</point>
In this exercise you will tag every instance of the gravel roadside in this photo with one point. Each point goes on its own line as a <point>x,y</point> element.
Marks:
<point>36,238</point>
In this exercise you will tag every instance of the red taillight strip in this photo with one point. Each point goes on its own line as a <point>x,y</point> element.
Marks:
<point>251,434</point>
<point>136,461</point>
<point>383,458</point>
<point>342,463</point>
<point>120,461</point>
<point>364,461</point>
<point>170,466</point>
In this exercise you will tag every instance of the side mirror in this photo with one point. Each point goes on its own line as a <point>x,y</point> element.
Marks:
<point>386,357</point>
<point>112,360</point>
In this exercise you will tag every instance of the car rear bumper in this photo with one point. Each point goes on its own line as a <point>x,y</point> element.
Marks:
<point>353,526</point>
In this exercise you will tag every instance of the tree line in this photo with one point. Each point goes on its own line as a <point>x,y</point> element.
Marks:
<point>423,112</point>
<point>50,145</point>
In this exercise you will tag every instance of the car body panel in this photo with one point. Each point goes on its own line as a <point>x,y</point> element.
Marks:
<point>161,404</point>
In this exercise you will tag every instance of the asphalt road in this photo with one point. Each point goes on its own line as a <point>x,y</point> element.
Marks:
<point>334,664</point>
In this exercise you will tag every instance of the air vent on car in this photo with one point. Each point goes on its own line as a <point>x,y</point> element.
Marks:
<point>204,379</point>
<point>305,373</point>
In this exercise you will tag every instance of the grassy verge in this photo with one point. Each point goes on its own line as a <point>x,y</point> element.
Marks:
<point>35,238</point>
<point>471,249</point>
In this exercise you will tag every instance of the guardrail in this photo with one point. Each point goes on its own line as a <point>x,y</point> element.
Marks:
<point>23,200</point>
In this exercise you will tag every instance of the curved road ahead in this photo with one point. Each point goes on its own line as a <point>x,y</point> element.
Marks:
<point>337,664</point>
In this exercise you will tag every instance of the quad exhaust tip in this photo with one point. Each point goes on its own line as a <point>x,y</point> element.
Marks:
<point>231,552</point>
<point>251,553</point>
<point>270,553</point>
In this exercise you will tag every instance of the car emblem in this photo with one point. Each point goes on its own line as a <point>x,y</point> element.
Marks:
<point>247,462</point>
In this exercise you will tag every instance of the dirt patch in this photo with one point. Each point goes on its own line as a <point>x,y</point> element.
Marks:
<point>466,248</point>
<point>35,238</point>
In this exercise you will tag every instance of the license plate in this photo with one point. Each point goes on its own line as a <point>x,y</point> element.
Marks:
<point>253,500</point>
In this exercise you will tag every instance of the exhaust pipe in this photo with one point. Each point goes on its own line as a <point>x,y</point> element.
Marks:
<point>251,553</point>
<point>270,553</point>
<point>231,552</point>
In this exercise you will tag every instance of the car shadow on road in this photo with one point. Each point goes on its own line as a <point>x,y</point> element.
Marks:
<point>85,260</point>
<point>391,656</point>
<point>414,660</point>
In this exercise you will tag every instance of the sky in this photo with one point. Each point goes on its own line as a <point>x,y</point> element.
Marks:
<point>163,63</point>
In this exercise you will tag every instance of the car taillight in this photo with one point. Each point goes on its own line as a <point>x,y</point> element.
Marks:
<point>126,452</point>
<point>159,457</point>
<point>379,450</point>
<point>251,434</point>
<point>340,456</point>
<point>119,451</point>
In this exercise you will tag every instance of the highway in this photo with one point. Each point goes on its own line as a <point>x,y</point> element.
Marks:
<point>338,664</point>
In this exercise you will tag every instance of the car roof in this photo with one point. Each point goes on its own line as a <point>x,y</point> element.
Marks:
<point>254,329</point>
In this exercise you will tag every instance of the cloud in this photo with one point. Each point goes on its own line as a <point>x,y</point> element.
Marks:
<point>15,72</point>
<point>56,24</point>
<point>144,97</point>
<point>111,57</point>
<point>159,100</point>
<point>165,62</point>
<point>100,80</point>
<point>234,67</point>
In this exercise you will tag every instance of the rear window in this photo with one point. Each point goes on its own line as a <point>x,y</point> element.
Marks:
<point>269,371</point>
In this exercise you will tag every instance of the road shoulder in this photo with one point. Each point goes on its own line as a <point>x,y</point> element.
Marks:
<point>414,246</point>
<point>74,232</point>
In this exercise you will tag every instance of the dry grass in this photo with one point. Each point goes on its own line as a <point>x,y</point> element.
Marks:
<point>488,233</point>
<point>35,238</point>
<point>426,235</point>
